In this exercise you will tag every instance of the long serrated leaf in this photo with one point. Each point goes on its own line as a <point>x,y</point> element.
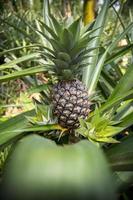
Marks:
<point>35,128</point>
<point>118,54</point>
<point>22,73</point>
<point>56,24</point>
<point>89,72</point>
<point>108,140</point>
<point>97,70</point>
<point>43,40</point>
<point>46,11</point>
<point>114,101</point>
<point>74,28</point>
<point>19,60</point>
<point>50,31</point>
<point>17,48</point>
<point>125,109</point>
<point>125,84</point>
<point>17,122</point>
<point>94,73</point>
<point>119,37</point>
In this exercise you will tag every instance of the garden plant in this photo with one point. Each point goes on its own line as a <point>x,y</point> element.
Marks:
<point>74,139</point>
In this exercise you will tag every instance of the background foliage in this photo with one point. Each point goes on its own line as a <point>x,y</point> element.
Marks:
<point>24,101</point>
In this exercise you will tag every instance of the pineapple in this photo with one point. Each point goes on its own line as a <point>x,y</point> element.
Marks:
<point>70,100</point>
<point>69,53</point>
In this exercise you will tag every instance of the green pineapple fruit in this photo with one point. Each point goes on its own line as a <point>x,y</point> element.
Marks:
<point>69,55</point>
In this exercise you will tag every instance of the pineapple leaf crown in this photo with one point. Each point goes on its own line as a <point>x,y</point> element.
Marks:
<point>100,128</point>
<point>69,47</point>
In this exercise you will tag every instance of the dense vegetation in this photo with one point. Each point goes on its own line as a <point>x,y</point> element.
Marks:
<point>57,58</point>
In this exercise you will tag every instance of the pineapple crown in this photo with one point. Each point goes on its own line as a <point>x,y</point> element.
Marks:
<point>68,47</point>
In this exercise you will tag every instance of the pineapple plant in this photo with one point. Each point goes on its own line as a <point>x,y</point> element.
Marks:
<point>69,96</point>
<point>63,53</point>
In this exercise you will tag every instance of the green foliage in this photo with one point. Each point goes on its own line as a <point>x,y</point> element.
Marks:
<point>92,69</point>
<point>59,172</point>
<point>99,128</point>
<point>34,49</point>
<point>8,128</point>
<point>121,155</point>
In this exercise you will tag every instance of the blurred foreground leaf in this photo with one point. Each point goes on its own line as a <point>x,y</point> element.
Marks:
<point>74,171</point>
